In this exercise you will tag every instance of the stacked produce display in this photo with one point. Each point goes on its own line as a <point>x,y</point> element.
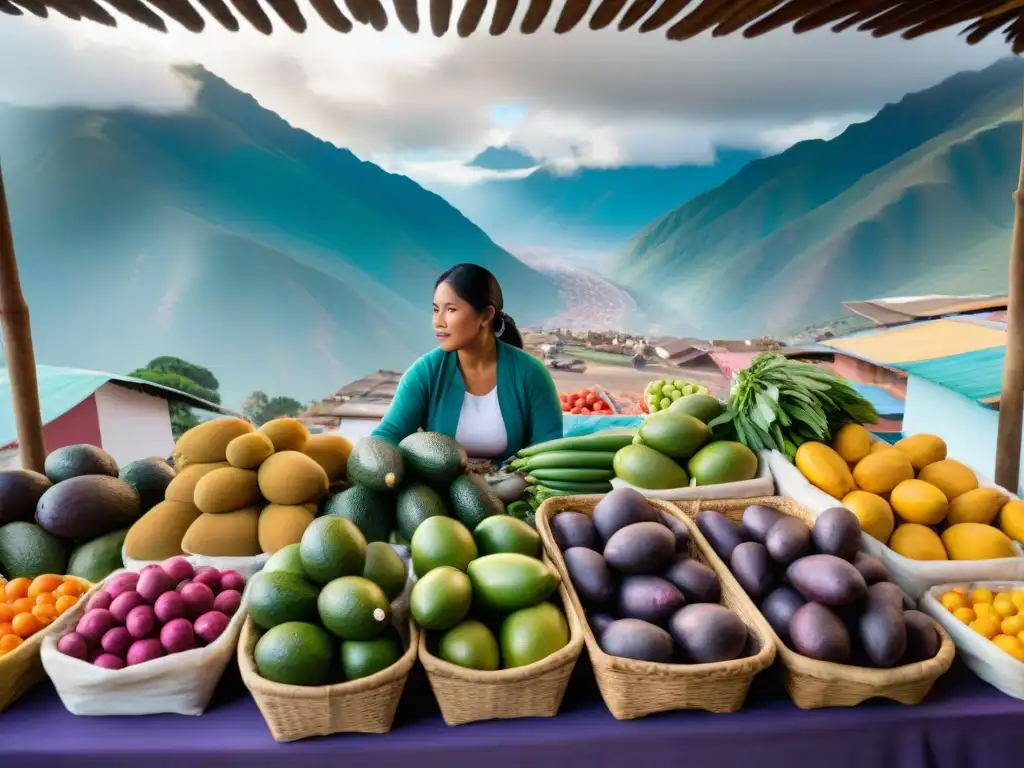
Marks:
<point>584,401</point>
<point>661,393</point>
<point>29,605</point>
<point>570,465</point>
<point>483,596</point>
<point>240,492</point>
<point>824,598</point>
<point>997,617</point>
<point>645,598</point>
<point>74,518</point>
<point>912,498</point>
<point>323,607</point>
<point>779,404</point>
<point>164,609</point>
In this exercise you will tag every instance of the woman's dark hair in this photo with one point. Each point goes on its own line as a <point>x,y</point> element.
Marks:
<point>479,288</point>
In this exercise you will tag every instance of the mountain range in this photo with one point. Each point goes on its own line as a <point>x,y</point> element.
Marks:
<point>914,201</point>
<point>224,236</point>
<point>584,209</point>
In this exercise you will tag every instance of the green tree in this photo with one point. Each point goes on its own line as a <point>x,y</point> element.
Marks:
<point>260,408</point>
<point>183,376</point>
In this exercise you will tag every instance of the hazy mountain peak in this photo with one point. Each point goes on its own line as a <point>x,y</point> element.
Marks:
<point>503,159</point>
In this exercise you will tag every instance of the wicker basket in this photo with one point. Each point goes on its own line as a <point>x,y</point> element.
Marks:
<point>814,684</point>
<point>21,668</point>
<point>633,688</point>
<point>536,690</point>
<point>296,712</point>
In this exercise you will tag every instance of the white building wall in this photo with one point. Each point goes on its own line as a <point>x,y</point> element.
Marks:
<point>133,425</point>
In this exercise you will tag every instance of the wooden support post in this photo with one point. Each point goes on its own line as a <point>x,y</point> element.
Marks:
<point>21,359</point>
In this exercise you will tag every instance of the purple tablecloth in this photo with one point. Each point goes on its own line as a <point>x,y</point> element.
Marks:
<point>963,724</point>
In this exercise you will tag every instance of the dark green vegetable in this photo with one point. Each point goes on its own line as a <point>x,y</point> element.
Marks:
<point>574,487</point>
<point>779,404</point>
<point>572,475</point>
<point>565,459</point>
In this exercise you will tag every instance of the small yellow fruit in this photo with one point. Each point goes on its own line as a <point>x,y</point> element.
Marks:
<point>966,615</point>
<point>953,601</point>
<point>1012,625</point>
<point>1010,644</point>
<point>978,506</point>
<point>1004,606</point>
<point>949,476</point>
<point>919,502</point>
<point>1018,598</point>
<point>985,609</point>
<point>873,512</point>
<point>852,442</point>
<point>881,472</point>
<point>918,542</point>
<point>974,541</point>
<point>1011,519</point>
<point>825,469</point>
<point>922,449</point>
<point>1020,636</point>
<point>986,626</point>
<point>981,595</point>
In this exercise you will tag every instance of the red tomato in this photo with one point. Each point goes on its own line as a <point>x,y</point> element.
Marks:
<point>592,398</point>
<point>576,410</point>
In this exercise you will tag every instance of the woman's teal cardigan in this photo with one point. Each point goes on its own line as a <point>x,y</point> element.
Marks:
<point>431,393</point>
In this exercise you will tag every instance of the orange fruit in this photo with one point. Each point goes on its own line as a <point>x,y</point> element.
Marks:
<point>64,602</point>
<point>986,626</point>
<point>74,587</point>
<point>17,588</point>
<point>26,625</point>
<point>45,598</point>
<point>23,605</point>
<point>45,613</point>
<point>6,629</point>
<point>985,609</point>
<point>6,612</point>
<point>45,583</point>
<point>965,614</point>
<point>953,600</point>
<point>1011,645</point>
<point>1013,625</point>
<point>9,643</point>
<point>1004,606</point>
<point>981,595</point>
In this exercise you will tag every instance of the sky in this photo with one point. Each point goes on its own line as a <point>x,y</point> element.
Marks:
<point>424,106</point>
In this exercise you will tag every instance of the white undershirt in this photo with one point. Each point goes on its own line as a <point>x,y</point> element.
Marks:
<point>481,429</point>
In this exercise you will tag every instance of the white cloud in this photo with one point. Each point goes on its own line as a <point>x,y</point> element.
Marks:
<point>601,98</point>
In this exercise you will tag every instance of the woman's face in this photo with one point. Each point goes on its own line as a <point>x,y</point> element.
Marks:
<point>456,323</point>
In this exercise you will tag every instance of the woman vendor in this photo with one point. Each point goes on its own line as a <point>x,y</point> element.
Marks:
<point>478,385</point>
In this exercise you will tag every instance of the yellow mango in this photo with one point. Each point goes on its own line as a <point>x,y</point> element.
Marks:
<point>873,512</point>
<point>922,450</point>
<point>916,501</point>
<point>880,445</point>
<point>881,472</point>
<point>1011,520</point>
<point>949,476</point>
<point>825,469</point>
<point>974,541</point>
<point>852,442</point>
<point>208,442</point>
<point>978,506</point>
<point>918,542</point>
<point>287,434</point>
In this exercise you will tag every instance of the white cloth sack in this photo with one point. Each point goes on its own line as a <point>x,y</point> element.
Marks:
<point>180,684</point>
<point>993,665</point>
<point>247,566</point>
<point>762,485</point>
<point>913,576</point>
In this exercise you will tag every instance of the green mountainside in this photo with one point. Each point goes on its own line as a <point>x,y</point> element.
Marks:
<point>914,201</point>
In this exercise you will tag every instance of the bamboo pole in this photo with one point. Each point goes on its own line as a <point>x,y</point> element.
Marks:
<point>21,359</point>
<point>1011,401</point>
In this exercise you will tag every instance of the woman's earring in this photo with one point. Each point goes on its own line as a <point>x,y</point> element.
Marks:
<point>501,328</point>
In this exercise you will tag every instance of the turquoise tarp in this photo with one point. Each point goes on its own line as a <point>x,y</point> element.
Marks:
<point>977,375</point>
<point>60,390</point>
<point>884,402</point>
<point>574,424</point>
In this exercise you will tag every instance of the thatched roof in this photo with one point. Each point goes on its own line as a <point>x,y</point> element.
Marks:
<point>912,18</point>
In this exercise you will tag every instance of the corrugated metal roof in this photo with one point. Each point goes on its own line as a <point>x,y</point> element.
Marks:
<point>61,389</point>
<point>902,310</point>
<point>977,374</point>
<point>928,340</point>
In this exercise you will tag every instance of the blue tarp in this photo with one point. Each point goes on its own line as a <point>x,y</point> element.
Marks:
<point>575,424</point>
<point>885,403</point>
<point>977,375</point>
